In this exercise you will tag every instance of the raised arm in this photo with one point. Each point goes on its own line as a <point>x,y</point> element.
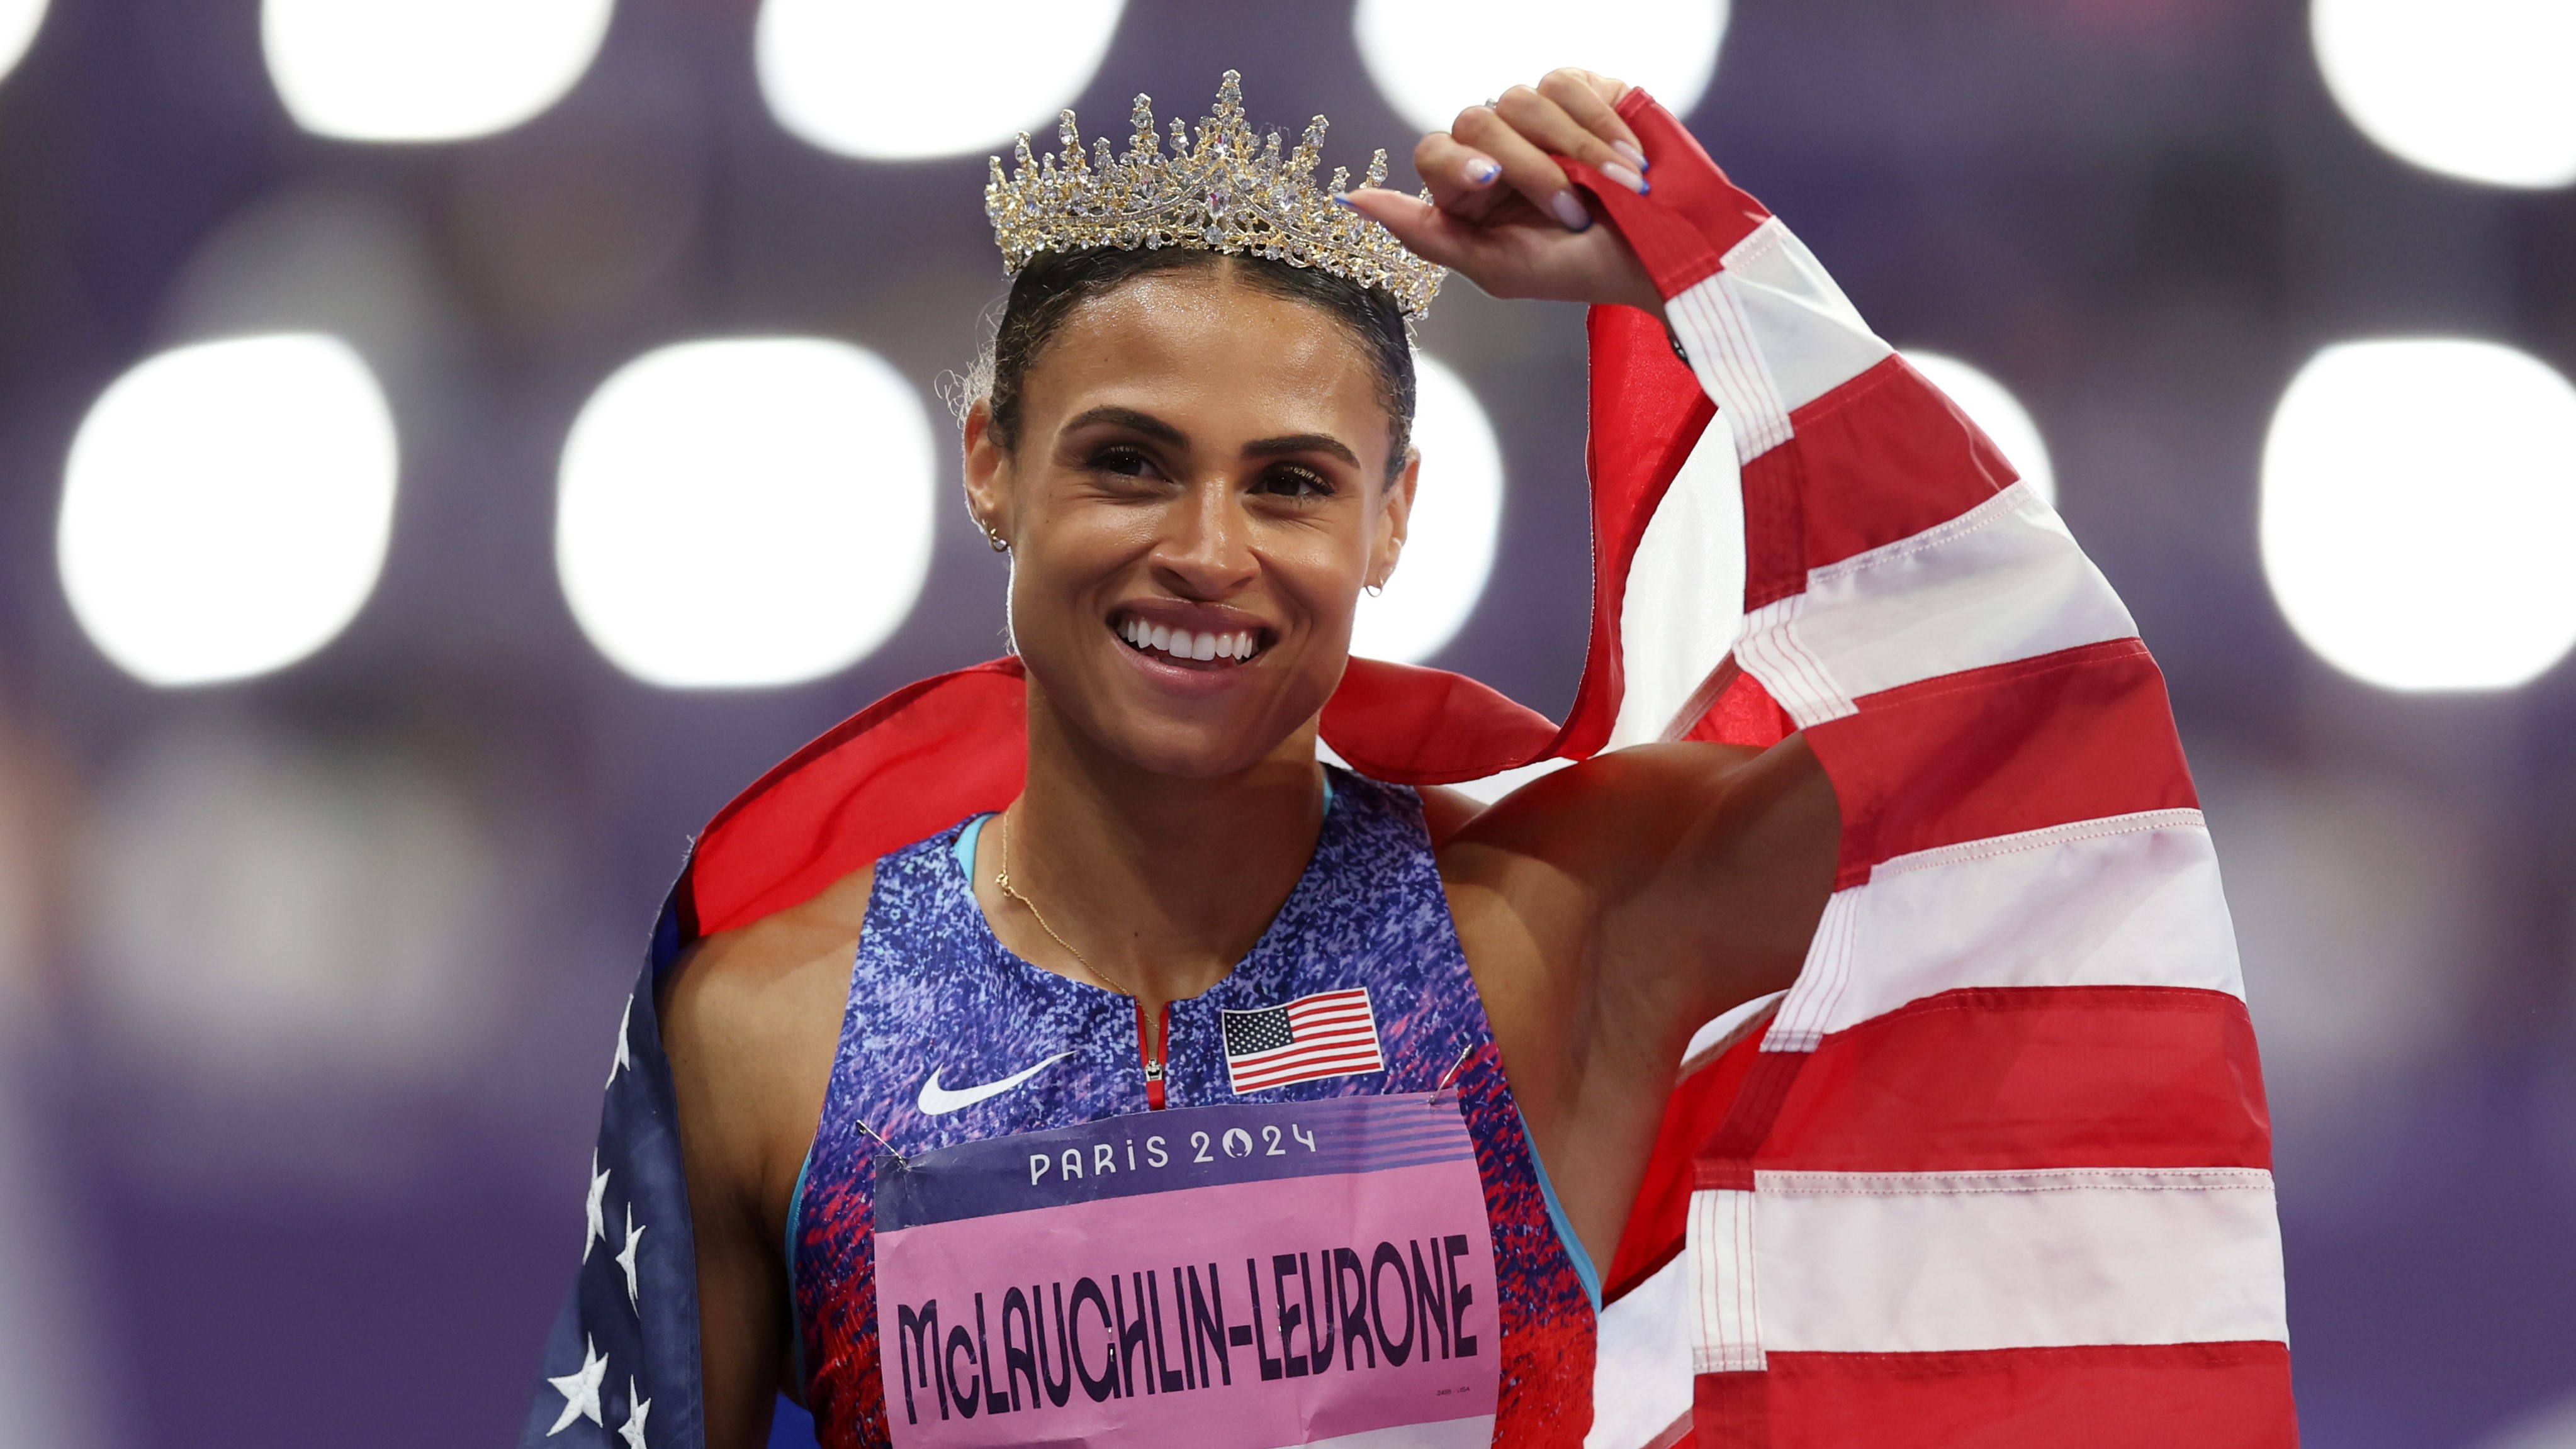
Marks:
<point>2000,1163</point>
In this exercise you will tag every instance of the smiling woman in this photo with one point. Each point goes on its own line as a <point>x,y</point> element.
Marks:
<point>1036,989</point>
<point>1198,447</point>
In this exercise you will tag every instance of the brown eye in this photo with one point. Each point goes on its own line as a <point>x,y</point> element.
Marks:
<point>1294,482</point>
<point>1126,462</point>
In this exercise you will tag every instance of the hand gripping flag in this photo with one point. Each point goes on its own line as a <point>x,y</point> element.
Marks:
<point>1994,1171</point>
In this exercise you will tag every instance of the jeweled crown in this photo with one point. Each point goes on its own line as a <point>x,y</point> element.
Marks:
<point>1230,191</point>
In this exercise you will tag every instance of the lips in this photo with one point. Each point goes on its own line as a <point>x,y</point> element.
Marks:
<point>1194,637</point>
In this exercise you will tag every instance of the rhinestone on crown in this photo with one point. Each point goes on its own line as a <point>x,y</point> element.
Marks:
<point>1228,192</point>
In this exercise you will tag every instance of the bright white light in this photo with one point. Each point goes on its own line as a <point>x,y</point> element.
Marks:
<point>2482,89</point>
<point>426,70</point>
<point>18,22</point>
<point>1993,408</point>
<point>745,512</point>
<point>1433,60</point>
<point>894,82</point>
<point>1449,546</point>
<point>2419,504</point>
<point>226,506</point>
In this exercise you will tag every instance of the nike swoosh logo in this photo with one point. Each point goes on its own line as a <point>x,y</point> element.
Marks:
<point>939,1101</point>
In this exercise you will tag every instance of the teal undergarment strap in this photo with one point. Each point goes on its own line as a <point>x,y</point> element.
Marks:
<point>1574,1248</point>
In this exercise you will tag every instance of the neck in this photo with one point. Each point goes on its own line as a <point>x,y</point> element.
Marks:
<point>1160,883</point>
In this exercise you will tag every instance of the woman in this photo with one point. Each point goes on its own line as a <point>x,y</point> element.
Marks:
<point>1198,459</point>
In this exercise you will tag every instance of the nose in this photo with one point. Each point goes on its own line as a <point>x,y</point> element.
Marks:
<point>1206,548</point>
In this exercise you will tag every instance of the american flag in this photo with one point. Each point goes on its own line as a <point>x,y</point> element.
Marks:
<point>2017,1063</point>
<point>1333,1034</point>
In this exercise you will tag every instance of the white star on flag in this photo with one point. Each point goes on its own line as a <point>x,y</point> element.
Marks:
<point>598,1207</point>
<point>623,1060</point>
<point>626,1260</point>
<point>632,1431</point>
<point>580,1389</point>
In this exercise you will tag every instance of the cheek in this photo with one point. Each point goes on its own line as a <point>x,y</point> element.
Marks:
<point>1318,574</point>
<point>1067,555</point>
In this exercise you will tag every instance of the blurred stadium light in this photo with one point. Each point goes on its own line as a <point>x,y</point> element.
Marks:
<point>1449,546</point>
<point>226,506</point>
<point>2481,89</point>
<point>1993,408</point>
<point>746,511</point>
<point>19,20</point>
<point>2418,498</point>
<point>897,82</point>
<point>426,70</point>
<point>261,913</point>
<point>1432,61</point>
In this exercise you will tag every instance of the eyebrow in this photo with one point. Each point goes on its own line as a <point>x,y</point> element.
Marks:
<point>1154,427</point>
<point>1146,423</point>
<point>1302,443</point>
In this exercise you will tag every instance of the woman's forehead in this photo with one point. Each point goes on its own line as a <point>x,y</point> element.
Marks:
<point>1199,340</point>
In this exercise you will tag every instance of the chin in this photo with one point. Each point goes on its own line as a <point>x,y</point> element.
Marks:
<point>1194,724</point>
<point>1193,751</point>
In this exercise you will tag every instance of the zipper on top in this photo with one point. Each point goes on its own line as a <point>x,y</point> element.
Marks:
<point>1153,1048</point>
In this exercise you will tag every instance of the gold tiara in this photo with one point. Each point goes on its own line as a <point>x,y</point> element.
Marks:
<point>1230,192</point>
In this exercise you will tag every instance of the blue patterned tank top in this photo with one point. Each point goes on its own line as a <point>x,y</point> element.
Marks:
<point>940,1013</point>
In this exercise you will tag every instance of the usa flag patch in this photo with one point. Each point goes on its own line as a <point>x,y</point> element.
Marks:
<point>1331,1034</point>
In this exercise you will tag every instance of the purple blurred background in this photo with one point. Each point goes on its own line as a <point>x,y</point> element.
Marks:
<point>307,981</point>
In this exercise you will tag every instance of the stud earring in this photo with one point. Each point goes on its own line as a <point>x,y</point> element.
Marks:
<point>1372,590</point>
<point>993,536</point>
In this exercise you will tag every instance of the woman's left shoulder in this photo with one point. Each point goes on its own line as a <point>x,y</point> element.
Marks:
<point>1601,811</point>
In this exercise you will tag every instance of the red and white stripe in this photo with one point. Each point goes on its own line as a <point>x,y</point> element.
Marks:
<point>1335,1035</point>
<point>1997,1169</point>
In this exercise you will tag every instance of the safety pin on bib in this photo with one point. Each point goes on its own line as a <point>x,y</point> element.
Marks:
<point>891,1150</point>
<point>1450,1076</point>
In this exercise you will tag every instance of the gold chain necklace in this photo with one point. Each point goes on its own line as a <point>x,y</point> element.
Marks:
<point>1002,880</point>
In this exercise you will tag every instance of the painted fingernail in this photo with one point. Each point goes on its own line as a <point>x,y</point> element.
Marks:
<point>1631,155</point>
<point>1569,209</point>
<point>1482,170</point>
<point>1341,198</point>
<point>1624,176</point>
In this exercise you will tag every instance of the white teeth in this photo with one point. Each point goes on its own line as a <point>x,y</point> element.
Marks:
<point>1183,644</point>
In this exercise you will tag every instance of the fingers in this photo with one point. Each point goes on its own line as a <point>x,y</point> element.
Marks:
<point>1526,169</point>
<point>1426,231</point>
<point>1593,100</point>
<point>1455,172</point>
<point>1541,120</point>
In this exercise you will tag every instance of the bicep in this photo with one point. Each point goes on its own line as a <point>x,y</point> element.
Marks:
<point>1749,874</point>
<point>1702,869</point>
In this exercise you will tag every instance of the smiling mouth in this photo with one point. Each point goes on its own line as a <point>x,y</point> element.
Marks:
<point>1184,647</point>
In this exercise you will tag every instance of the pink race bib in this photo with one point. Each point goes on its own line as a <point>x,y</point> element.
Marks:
<point>1232,1277</point>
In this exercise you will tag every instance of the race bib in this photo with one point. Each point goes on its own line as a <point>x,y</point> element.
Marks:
<point>1230,1277</point>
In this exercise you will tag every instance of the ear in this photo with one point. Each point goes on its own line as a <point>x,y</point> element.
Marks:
<point>1388,546</point>
<point>989,479</point>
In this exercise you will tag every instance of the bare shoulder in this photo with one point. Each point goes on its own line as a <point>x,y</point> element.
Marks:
<point>1603,816</point>
<point>1533,877</point>
<point>751,1020</point>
